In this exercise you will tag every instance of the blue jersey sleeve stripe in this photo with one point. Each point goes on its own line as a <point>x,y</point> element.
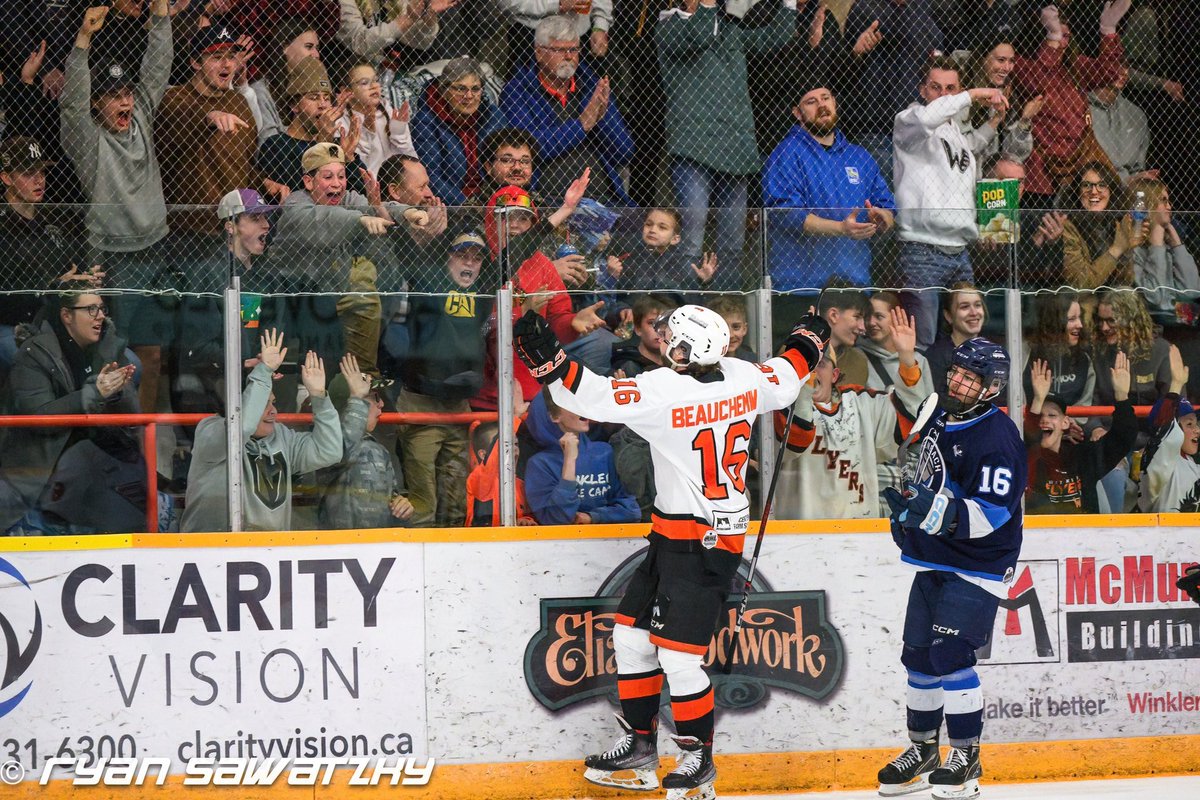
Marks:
<point>984,517</point>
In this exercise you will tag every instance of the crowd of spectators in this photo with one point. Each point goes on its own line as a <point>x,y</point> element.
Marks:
<point>375,169</point>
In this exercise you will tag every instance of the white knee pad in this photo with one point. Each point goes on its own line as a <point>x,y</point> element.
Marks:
<point>635,654</point>
<point>685,671</point>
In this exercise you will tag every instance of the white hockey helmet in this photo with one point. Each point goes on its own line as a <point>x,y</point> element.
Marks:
<point>698,332</point>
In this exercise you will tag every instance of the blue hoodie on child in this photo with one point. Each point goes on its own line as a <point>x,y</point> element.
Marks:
<point>596,490</point>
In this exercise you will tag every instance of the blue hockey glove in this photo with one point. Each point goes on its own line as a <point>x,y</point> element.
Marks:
<point>936,513</point>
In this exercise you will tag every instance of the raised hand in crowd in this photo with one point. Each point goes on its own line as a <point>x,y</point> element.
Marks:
<point>1179,371</point>
<point>598,42</point>
<point>1055,30</point>
<point>271,351</point>
<point>816,29</point>
<point>596,106</point>
<point>1162,227</point>
<point>1041,378</point>
<point>991,97</point>
<point>1032,108</point>
<point>571,199</point>
<point>241,75</point>
<point>904,336</point>
<point>1050,229</point>
<point>93,277</point>
<point>403,113</point>
<point>312,374</point>
<point>226,122</point>
<point>93,21</point>
<point>33,64</point>
<point>868,40</point>
<point>706,268</point>
<point>535,301</point>
<point>1111,14</point>
<point>112,378</point>
<point>357,381</point>
<point>588,319</point>
<point>1121,377</point>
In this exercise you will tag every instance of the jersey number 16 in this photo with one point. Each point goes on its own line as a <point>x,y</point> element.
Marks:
<point>732,461</point>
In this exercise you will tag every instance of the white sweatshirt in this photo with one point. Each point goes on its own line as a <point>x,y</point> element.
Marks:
<point>935,174</point>
<point>1172,480</point>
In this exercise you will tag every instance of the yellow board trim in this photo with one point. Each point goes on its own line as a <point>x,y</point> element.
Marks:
<point>763,773</point>
<point>532,533</point>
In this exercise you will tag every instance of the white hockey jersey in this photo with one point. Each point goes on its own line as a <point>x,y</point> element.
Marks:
<point>935,174</point>
<point>831,468</point>
<point>699,434</point>
<point>1171,481</point>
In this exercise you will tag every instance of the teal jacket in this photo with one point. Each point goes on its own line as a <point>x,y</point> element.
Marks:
<point>703,63</point>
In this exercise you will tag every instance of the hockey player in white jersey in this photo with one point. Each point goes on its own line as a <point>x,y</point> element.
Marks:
<point>698,418</point>
<point>840,436</point>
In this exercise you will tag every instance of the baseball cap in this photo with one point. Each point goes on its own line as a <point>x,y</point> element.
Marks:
<point>339,390</point>
<point>308,76</point>
<point>1058,400</point>
<point>514,197</point>
<point>468,239</point>
<point>321,154</point>
<point>1182,410</point>
<point>22,153</point>
<point>242,201</point>
<point>213,38</point>
<point>110,77</point>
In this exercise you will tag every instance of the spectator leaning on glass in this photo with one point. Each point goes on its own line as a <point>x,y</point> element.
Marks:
<point>571,113</point>
<point>370,27</point>
<point>935,189</point>
<point>273,454</point>
<point>1063,473</point>
<point>451,120</point>
<point>73,364</point>
<point>363,491</point>
<point>710,123</point>
<point>831,196</point>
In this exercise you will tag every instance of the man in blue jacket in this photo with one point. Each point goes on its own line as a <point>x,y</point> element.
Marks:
<point>571,113</point>
<point>572,480</point>
<point>835,197</point>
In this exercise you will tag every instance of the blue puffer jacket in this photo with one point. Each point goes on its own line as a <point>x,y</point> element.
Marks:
<point>596,490</point>
<point>441,150</point>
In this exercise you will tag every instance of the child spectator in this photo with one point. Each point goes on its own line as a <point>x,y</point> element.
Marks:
<point>879,346</point>
<point>641,352</point>
<point>384,129</point>
<point>1064,474</point>
<point>444,369</point>
<point>572,480</point>
<point>272,454</point>
<point>363,491</point>
<point>846,308</point>
<point>732,309</point>
<point>1171,476</point>
<point>657,263</point>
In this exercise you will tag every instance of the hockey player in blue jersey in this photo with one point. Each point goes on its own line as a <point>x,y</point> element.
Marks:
<point>959,523</point>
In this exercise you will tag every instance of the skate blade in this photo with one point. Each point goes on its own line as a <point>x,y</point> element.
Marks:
<point>917,784</point>
<point>704,791</point>
<point>638,780</point>
<point>966,791</point>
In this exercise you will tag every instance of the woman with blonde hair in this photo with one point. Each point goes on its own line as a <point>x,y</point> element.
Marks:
<point>1163,267</point>
<point>1123,325</point>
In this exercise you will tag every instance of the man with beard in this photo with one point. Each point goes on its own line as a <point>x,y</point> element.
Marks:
<point>835,198</point>
<point>1063,473</point>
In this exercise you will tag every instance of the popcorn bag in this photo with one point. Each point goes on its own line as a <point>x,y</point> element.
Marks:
<point>996,204</point>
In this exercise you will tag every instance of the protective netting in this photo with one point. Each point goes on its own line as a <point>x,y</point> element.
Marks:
<point>375,171</point>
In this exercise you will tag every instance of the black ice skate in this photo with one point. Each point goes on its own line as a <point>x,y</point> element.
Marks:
<point>694,773</point>
<point>958,778</point>
<point>911,770</point>
<point>630,764</point>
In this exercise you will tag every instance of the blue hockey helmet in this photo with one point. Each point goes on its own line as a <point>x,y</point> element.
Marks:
<point>986,359</point>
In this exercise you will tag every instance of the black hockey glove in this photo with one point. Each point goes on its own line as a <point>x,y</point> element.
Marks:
<point>899,507</point>
<point>1190,582</point>
<point>538,348</point>
<point>809,338</point>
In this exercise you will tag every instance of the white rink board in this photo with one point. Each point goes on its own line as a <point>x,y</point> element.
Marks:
<point>188,678</point>
<point>484,608</point>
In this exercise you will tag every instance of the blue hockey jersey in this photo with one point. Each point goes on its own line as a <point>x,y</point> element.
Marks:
<point>981,462</point>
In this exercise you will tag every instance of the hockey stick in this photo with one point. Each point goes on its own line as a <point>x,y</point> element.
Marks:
<point>924,412</point>
<point>762,529</point>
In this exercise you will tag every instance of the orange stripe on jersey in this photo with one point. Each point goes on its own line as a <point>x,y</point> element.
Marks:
<point>694,530</point>
<point>571,380</point>
<point>685,710</point>
<point>628,689</point>
<point>797,361</point>
<point>623,619</point>
<point>799,436</point>
<point>681,647</point>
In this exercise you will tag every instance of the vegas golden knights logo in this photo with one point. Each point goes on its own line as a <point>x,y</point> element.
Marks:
<point>460,305</point>
<point>786,643</point>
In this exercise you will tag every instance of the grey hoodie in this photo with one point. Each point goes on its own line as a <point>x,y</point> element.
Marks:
<point>269,463</point>
<point>119,172</point>
<point>878,358</point>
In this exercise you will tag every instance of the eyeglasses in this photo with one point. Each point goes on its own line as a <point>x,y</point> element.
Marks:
<point>93,310</point>
<point>508,161</point>
<point>458,88</point>
<point>1088,186</point>
<point>562,51</point>
<point>363,83</point>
